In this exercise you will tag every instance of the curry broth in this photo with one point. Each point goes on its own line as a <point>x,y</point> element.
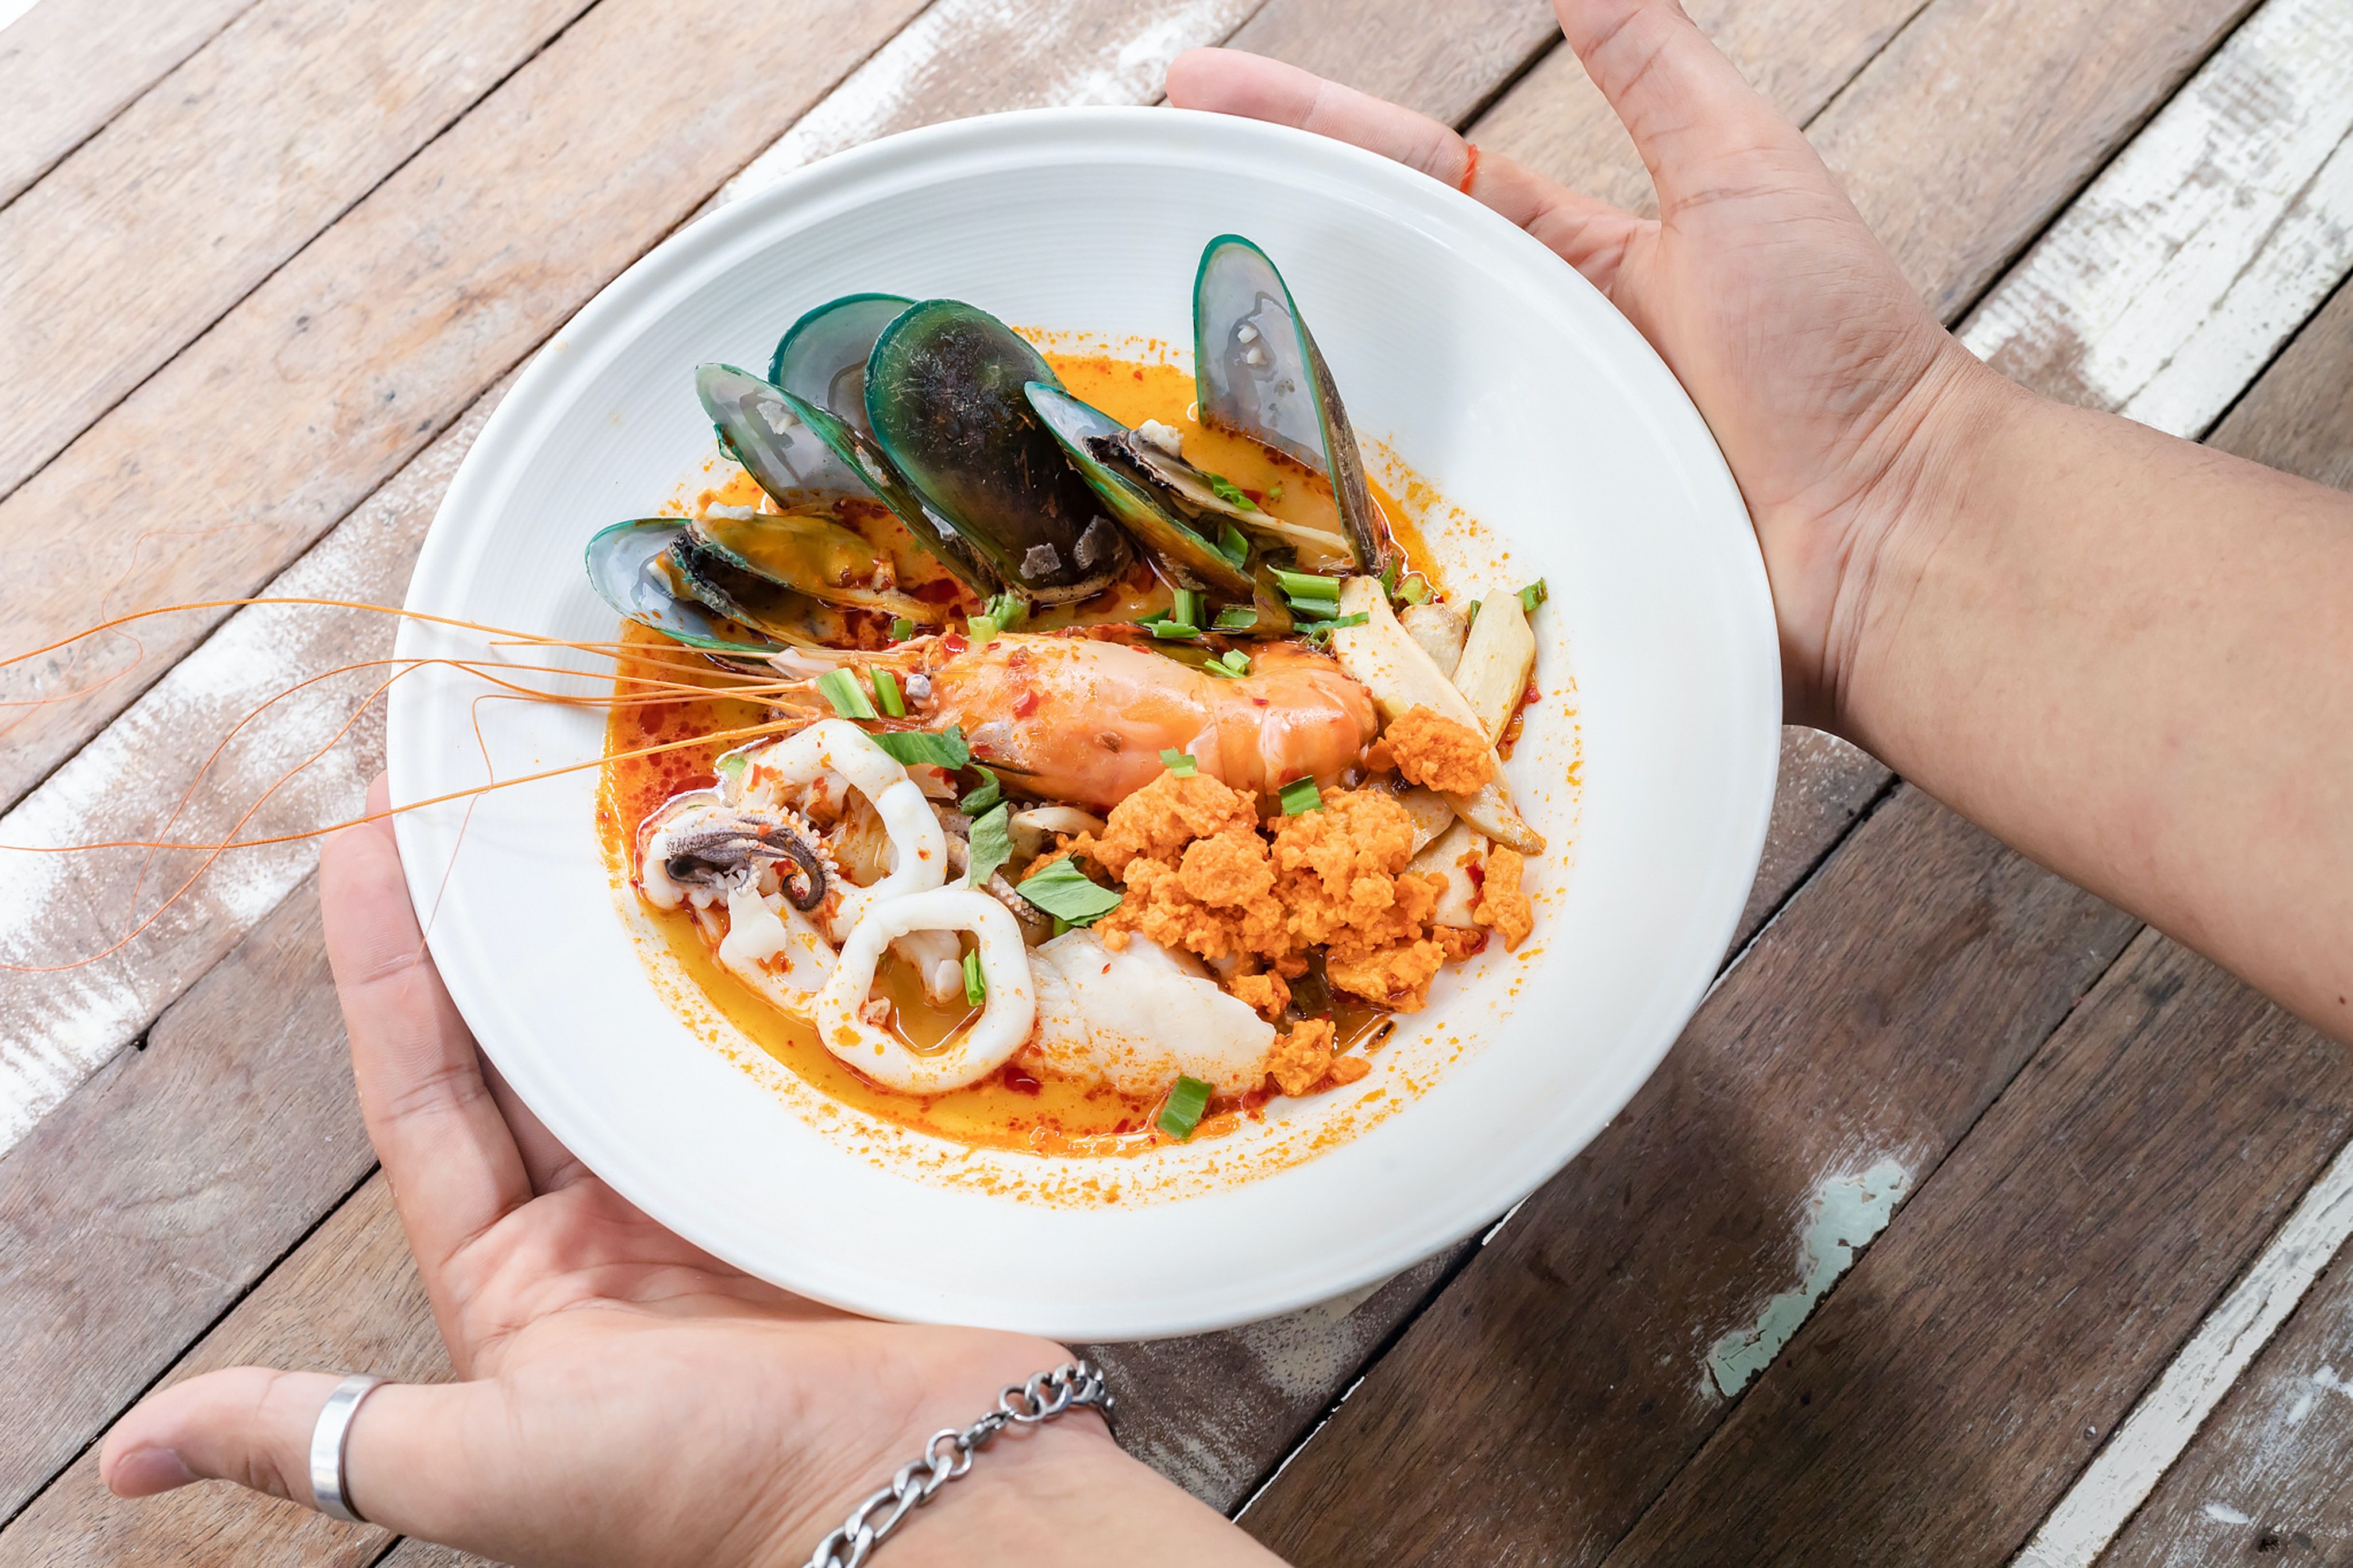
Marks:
<point>1010,1108</point>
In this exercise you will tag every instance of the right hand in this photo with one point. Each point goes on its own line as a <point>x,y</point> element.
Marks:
<point>1837,398</point>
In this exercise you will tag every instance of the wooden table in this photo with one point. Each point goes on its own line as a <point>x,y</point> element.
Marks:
<point>266,264</point>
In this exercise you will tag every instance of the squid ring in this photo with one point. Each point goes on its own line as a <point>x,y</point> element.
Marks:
<point>1001,1029</point>
<point>919,850</point>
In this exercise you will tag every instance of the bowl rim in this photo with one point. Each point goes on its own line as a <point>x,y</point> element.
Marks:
<point>1636,1052</point>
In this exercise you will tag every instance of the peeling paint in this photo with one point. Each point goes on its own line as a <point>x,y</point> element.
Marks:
<point>1846,1212</point>
<point>2223,1513</point>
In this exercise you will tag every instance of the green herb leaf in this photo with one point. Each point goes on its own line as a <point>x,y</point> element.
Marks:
<point>1233,544</point>
<point>976,983</point>
<point>1181,1112</point>
<point>1060,925</point>
<point>988,792</point>
<point>1237,618</point>
<point>1229,492</point>
<point>886,692</point>
<point>1300,797</point>
<point>901,629</point>
<point>1178,763</point>
<point>840,688</point>
<point>1535,594</point>
<point>941,749</point>
<point>1061,889</point>
<point>1308,585</point>
<point>1173,631</point>
<point>1320,630</point>
<point>991,845</point>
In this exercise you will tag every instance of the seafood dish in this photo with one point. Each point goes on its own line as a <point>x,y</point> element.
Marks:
<point>1058,752</point>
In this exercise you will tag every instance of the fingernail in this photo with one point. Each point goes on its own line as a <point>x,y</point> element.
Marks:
<point>144,1472</point>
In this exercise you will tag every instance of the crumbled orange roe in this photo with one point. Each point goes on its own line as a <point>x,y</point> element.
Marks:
<point>1501,903</point>
<point>1428,748</point>
<point>1303,1058</point>
<point>1202,874</point>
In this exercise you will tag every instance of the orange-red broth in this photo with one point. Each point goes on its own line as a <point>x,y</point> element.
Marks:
<point>1010,1108</point>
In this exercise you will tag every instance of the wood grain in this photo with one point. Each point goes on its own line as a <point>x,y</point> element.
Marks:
<point>1448,64</point>
<point>2175,277</point>
<point>414,1553</point>
<point>141,1210</point>
<point>2271,1474</point>
<point>2298,417</point>
<point>351,357</point>
<point>68,67</point>
<point>328,1308</point>
<point>1945,1396</point>
<point>168,216</point>
<point>1565,1376</point>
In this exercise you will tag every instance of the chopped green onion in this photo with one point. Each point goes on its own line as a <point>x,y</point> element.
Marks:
<point>1187,607</point>
<point>976,983</point>
<point>1237,618</point>
<point>1173,630</point>
<point>1390,578</point>
<point>732,767</point>
<point>941,749</point>
<point>1060,925</point>
<point>1414,589</point>
<point>901,629</point>
<point>1319,630</point>
<point>1235,659</point>
<point>840,688</point>
<point>1274,490</point>
<point>991,846</point>
<point>982,629</point>
<point>1233,544</point>
<point>1009,610</point>
<point>1471,612</point>
<point>1216,671</point>
<point>1535,594</point>
<point>886,692</point>
<point>1229,492</point>
<point>1061,889</point>
<point>1300,797</point>
<point>1308,585</point>
<point>1182,1111</point>
<point>988,792</point>
<point>1177,763</point>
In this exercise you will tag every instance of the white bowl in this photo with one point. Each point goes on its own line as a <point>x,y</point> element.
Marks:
<point>1488,364</point>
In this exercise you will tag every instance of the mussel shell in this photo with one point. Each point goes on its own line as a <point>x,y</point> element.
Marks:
<point>811,552</point>
<point>943,394</point>
<point>624,568</point>
<point>821,358</point>
<point>804,456</point>
<point>1285,398</point>
<point>1098,447</point>
<point>766,607</point>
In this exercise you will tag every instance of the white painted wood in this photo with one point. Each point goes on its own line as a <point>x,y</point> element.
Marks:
<point>57,1028</point>
<point>2154,1435</point>
<point>2168,284</point>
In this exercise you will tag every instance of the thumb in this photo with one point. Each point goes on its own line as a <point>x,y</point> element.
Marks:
<point>1697,124</point>
<point>404,1450</point>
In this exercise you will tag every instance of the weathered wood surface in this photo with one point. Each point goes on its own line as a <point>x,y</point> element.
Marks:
<point>1576,1364</point>
<point>1448,62</point>
<point>352,356</point>
<point>2271,1474</point>
<point>68,67</point>
<point>2298,416</point>
<point>153,1199</point>
<point>2177,276</point>
<point>232,164</point>
<point>1945,1396</point>
<point>325,1308</point>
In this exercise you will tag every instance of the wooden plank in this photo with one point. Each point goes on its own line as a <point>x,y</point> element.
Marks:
<point>1946,1395</point>
<point>2298,417</point>
<point>147,1205</point>
<point>1587,1352</point>
<point>414,1553</point>
<point>2152,1437</point>
<point>2176,277</point>
<point>167,217</point>
<point>1447,67</point>
<point>2273,1472</point>
<point>68,67</point>
<point>324,1309</point>
<point>351,357</point>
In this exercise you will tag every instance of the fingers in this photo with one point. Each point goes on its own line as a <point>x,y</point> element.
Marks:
<point>1695,120</point>
<point>453,1162</point>
<point>1591,235</point>
<point>407,1464</point>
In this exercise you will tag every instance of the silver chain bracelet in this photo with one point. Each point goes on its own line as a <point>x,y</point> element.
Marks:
<point>948,1455</point>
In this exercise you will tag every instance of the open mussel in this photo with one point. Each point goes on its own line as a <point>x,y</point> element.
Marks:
<point>1259,373</point>
<point>1103,451</point>
<point>809,553</point>
<point>943,395</point>
<point>634,567</point>
<point>807,458</point>
<point>822,358</point>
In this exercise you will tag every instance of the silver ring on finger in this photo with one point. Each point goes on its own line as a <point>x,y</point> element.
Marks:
<point>331,1492</point>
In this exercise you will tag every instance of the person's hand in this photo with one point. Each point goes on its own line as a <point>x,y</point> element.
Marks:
<point>1826,381</point>
<point>626,1398</point>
